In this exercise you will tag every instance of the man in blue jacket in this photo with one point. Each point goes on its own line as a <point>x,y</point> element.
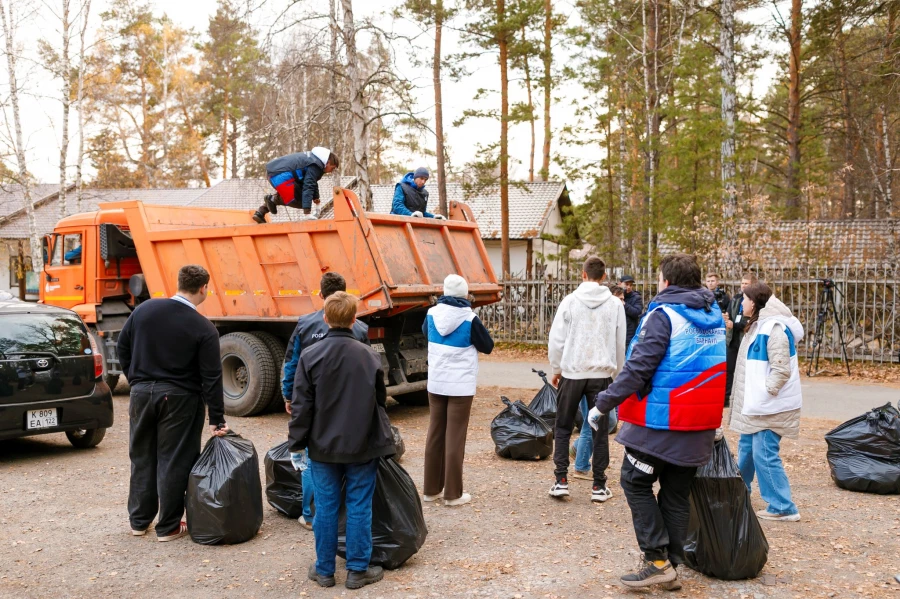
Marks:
<point>295,178</point>
<point>411,197</point>
<point>670,395</point>
<point>311,329</point>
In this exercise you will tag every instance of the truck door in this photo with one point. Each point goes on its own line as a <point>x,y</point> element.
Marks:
<point>63,276</point>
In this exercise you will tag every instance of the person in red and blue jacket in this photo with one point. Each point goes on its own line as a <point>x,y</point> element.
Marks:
<point>670,394</point>
<point>295,178</point>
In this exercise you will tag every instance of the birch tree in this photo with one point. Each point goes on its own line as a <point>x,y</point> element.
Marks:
<point>79,98</point>
<point>358,111</point>
<point>729,83</point>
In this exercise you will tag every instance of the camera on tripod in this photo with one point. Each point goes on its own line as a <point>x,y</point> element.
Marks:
<point>825,309</point>
<point>827,283</point>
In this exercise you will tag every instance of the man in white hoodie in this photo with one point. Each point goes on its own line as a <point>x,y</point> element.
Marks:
<point>586,350</point>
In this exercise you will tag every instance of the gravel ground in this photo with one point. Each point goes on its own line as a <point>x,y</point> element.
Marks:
<point>64,530</point>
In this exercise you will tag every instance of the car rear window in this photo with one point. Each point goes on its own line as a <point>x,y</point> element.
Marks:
<point>60,334</point>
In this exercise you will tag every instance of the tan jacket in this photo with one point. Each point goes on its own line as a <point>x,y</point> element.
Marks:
<point>785,424</point>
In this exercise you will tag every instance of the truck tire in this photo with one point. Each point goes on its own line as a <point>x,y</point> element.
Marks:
<point>110,379</point>
<point>416,398</point>
<point>277,347</point>
<point>249,376</point>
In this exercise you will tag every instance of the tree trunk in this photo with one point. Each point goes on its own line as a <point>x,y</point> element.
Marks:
<point>165,82</point>
<point>504,135</point>
<point>66,102</point>
<point>21,272</point>
<point>885,130</point>
<point>79,181</point>
<point>234,141</point>
<point>530,107</point>
<point>304,108</point>
<point>848,197</point>
<point>792,204</point>
<point>726,41</point>
<point>332,112</point>
<point>7,18</point>
<point>225,134</point>
<point>439,109</point>
<point>357,108</point>
<point>610,189</point>
<point>651,100</point>
<point>548,86</point>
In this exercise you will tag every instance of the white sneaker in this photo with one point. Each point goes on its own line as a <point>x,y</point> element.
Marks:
<point>600,494</point>
<point>767,515</point>
<point>304,523</point>
<point>463,499</point>
<point>433,497</point>
<point>560,488</point>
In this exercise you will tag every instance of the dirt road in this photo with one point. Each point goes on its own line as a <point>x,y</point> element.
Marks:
<point>64,530</point>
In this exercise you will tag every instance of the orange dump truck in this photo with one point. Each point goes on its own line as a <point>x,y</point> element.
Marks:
<point>263,277</point>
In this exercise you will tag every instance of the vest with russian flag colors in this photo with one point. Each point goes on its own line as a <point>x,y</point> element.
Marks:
<point>687,391</point>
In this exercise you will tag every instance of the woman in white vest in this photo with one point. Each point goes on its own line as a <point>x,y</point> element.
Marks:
<point>766,398</point>
<point>455,336</point>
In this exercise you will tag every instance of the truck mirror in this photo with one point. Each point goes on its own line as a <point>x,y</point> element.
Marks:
<point>45,248</point>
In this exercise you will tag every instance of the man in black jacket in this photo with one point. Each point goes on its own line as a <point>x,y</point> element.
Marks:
<point>634,307</point>
<point>337,415</point>
<point>170,354</point>
<point>735,323</point>
<point>295,178</point>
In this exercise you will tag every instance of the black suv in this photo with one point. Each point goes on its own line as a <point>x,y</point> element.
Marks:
<point>51,375</point>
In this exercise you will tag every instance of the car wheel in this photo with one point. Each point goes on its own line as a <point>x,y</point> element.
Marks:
<point>249,376</point>
<point>85,438</point>
<point>416,398</point>
<point>277,348</point>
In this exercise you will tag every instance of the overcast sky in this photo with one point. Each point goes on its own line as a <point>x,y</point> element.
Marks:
<point>41,110</point>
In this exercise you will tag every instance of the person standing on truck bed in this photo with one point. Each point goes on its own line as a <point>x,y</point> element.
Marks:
<point>295,178</point>
<point>310,329</point>
<point>170,354</point>
<point>411,197</point>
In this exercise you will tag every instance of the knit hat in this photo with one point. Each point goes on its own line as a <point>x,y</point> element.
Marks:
<point>421,172</point>
<point>456,286</point>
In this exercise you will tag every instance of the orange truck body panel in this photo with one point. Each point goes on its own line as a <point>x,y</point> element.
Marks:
<point>271,272</point>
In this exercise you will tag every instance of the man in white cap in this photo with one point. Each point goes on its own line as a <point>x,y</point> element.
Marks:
<point>296,179</point>
<point>455,336</point>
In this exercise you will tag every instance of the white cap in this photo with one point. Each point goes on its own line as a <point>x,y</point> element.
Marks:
<point>321,153</point>
<point>456,286</point>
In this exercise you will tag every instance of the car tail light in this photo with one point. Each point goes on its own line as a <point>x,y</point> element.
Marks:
<point>98,358</point>
<point>376,332</point>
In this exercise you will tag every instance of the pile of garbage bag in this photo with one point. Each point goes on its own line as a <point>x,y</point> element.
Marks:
<point>284,487</point>
<point>724,539</point>
<point>544,403</point>
<point>398,524</point>
<point>864,452</point>
<point>520,434</point>
<point>224,495</point>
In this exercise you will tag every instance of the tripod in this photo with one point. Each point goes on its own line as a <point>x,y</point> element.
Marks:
<point>824,305</point>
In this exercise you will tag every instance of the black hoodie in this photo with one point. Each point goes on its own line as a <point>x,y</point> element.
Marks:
<point>682,448</point>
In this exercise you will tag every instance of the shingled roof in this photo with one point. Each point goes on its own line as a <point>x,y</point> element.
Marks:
<point>12,196</point>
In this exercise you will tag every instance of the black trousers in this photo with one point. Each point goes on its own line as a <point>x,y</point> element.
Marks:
<point>165,428</point>
<point>567,400</point>
<point>731,356</point>
<point>660,522</point>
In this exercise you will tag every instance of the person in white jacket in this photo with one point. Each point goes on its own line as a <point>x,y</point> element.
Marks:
<point>586,350</point>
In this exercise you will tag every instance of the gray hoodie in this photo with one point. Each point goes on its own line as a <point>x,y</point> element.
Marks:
<point>587,339</point>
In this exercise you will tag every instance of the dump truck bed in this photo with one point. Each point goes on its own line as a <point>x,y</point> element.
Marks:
<point>272,271</point>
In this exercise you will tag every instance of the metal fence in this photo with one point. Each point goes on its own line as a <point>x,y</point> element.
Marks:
<point>866,299</point>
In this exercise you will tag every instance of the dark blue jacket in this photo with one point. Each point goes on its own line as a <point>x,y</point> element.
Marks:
<point>682,448</point>
<point>634,307</point>
<point>304,168</point>
<point>408,198</point>
<point>309,330</point>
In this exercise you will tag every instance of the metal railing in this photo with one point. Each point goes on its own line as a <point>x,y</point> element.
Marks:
<point>867,302</point>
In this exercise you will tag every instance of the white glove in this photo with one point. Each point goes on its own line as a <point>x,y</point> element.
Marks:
<point>417,213</point>
<point>594,417</point>
<point>440,217</point>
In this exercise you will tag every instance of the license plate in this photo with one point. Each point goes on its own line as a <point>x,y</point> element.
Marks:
<point>379,347</point>
<point>45,418</point>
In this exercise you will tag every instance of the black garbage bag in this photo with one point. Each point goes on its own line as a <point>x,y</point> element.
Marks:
<point>520,434</point>
<point>544,403</point>
<point>284,486</point>
<point>224,495</point>
<point>398,524</point>
<point>724,537</point>
<point>398,443</point>
<point>864,452</point>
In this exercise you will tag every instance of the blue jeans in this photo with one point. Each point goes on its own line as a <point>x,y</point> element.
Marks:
<point>358,481</point>
<point>584,444</point>
<point>306,479</point>
<point>758,454</point>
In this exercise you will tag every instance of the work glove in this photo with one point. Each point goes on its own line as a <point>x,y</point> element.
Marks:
<point>594,417</point>
<point>416,213</point>
<point>300,460</point>
<point>440,217</point>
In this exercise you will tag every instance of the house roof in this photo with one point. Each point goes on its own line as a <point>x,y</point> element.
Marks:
<point>530,205</point>
<point>12,196</point>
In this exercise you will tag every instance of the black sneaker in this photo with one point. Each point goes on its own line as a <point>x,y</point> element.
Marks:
<point>260,217</point>
<point>322,581</point>
<point>560,488</point>
<point>357,580</point>
<point>650,575</point>
<point>270,203</point>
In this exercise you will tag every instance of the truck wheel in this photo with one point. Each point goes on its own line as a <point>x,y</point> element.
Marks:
<point>110,379</point>
<point>249,376</point>
<point>416,398</point>
<point>85,438</point>
<point>277,347</point>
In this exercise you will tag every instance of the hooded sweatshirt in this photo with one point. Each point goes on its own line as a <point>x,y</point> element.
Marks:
<point>767,370</point>
<point>587,339</point>
<point>455,336</point>
<point>409,198</point>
